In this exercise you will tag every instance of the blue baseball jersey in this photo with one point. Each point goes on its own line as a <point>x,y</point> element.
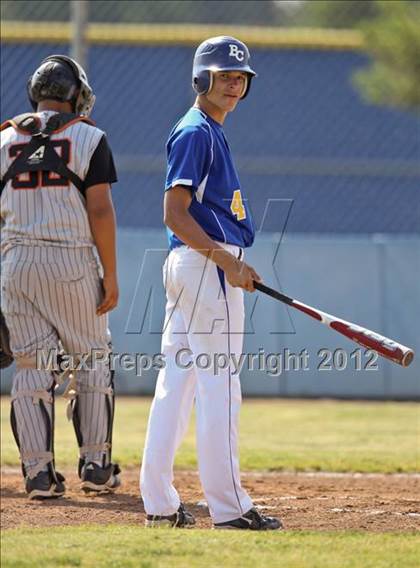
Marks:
<point>199,157</point>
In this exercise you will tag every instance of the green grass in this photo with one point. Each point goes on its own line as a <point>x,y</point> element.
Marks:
<point>275,434</point>
<point>131,546</point>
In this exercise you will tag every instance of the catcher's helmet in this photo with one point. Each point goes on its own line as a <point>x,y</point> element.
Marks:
<point>222,53</point>
<point>61,78</point>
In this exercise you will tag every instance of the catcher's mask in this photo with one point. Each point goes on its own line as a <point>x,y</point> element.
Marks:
<point>222,53</point>
<point>62,79</point>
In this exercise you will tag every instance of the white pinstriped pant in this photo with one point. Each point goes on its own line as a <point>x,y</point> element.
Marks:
<point>51,294</point>
<point>201,318</point>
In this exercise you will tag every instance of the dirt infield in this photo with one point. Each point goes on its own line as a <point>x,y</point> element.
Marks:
<point>304,501</point>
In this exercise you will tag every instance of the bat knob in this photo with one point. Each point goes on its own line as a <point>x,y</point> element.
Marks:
<point>407,359</point>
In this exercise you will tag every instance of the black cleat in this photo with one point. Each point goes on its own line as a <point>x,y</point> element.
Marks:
<point>44,486</point>
<point>180,519</point>
<point>253,521</point>
<point>96,479</point>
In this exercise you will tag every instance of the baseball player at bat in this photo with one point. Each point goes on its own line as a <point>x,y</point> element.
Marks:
<point>209,226</point>
<point>56,209</point>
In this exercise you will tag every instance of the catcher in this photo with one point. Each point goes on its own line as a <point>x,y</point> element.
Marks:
<point>56,213</point>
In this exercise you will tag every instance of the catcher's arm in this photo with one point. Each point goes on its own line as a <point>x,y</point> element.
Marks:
<point>102,222</point>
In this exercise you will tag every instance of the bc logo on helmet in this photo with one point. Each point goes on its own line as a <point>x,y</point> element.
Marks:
<point>236,52</point>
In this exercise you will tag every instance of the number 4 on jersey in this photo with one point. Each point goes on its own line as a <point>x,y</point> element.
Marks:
<point>237,206</point>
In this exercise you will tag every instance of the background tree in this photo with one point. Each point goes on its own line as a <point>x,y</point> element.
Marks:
<point>392,39</point>
<point>334,13</point>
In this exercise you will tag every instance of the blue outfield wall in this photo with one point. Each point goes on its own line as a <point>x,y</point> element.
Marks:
<point>369,280</point>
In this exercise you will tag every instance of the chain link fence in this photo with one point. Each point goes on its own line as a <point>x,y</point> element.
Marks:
<point>304,133</point>
<point>249,12</point>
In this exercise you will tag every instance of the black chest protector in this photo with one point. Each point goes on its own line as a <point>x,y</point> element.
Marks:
<point>39,154</point>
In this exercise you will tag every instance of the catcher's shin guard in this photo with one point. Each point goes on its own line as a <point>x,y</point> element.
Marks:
<point>101,397</point>
<point>50,427</point>
<point>52,485</point>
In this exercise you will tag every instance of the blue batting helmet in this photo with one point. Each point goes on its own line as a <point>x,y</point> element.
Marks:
<point>222,53</point>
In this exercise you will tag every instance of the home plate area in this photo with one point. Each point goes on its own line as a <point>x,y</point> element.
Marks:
<point>304,501</point>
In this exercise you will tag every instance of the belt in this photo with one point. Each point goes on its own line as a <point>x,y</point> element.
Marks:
<point>233,249</point>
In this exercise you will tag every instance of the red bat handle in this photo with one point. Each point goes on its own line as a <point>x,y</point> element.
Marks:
<point>365,337</point>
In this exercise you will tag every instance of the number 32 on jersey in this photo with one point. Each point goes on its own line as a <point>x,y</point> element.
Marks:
<point>237,206</point>
<point>36,179</point>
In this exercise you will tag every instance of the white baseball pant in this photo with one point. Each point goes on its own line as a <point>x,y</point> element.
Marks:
<point>205,315</point>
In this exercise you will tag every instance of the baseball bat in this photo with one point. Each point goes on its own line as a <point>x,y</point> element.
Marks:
<point>365,337</point>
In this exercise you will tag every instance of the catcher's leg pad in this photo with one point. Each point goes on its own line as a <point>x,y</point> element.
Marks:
<point>93,415</point>
<point>32,421</point>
